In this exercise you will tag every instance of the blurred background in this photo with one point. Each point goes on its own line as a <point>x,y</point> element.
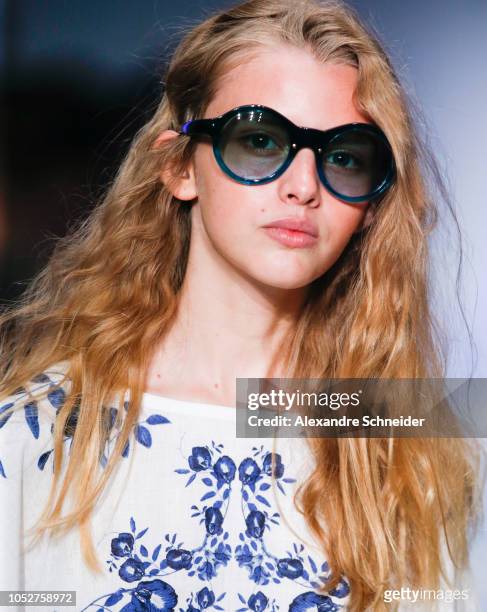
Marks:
<point>79,78</point>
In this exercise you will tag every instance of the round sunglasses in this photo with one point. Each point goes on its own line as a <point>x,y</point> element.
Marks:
<point>254,144</point>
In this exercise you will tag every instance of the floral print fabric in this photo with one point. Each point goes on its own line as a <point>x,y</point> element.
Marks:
<point>194,518</point>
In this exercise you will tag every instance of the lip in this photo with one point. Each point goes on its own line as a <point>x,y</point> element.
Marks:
<point>293,232</point>
<point>295,224</point>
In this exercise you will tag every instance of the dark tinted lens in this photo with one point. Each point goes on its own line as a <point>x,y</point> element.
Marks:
<point>254,144</point>
<point>356,162</point>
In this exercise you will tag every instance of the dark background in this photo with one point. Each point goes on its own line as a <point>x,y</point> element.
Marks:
<point>78,80</point>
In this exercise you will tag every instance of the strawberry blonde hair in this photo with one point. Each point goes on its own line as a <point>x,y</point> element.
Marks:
<point>109,293</point>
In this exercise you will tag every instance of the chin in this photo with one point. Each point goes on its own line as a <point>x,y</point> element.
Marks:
<point>285,272</point>
<point>285,281</point>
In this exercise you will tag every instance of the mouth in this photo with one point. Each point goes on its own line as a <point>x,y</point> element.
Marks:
<point>293,232</point>
<point>295,224</point>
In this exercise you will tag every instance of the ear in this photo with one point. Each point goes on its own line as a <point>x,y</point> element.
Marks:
<point>183,187</point>
<point>367,218</point>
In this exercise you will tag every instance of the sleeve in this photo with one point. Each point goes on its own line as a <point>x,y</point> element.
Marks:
<point>11,463</point>
<point>26,444</point>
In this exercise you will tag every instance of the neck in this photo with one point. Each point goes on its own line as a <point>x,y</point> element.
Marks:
<point>228,326</point>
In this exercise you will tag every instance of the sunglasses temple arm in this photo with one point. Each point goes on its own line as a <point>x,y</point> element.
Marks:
<point>198,126</point>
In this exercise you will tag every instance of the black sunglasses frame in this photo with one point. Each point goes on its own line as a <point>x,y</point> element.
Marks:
<point>300,137</point>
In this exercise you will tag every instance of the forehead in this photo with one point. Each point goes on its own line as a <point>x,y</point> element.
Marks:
<point>293,82</point>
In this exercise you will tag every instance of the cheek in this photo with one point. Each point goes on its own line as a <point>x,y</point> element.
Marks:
<point>339,223</point>
<point>226,213</point>
<point>225,204</point>
<point>342,220</point>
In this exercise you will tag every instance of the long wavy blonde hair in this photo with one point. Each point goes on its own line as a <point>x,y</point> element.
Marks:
<point>109,294</point>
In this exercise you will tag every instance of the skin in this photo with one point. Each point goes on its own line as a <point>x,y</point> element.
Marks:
<point>243,290</point>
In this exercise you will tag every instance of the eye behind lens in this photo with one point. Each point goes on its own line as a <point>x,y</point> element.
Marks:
<point>356,162</point>
<point>253,145</point>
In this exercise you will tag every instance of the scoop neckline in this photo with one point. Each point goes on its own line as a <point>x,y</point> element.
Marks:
<point>187,406</point>
<point>154,400</point>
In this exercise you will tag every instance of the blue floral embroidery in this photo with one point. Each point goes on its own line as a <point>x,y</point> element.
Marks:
<point>145,573</point>
<point>219,474</point>
<point>141,433</point>
<point>313,601</point>
<point>252,553</point>
<point>258,602</point>
<point>204,599</point>
<point>57,397</point>
<point>152,595</point>
<point>263,566</point>
<point>135,565</point>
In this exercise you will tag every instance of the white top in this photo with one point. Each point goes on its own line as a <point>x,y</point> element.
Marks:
<point>190,520</point>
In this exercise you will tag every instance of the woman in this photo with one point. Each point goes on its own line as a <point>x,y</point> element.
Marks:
<point>234,244</point>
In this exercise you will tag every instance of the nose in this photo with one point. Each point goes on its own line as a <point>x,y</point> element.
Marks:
<point>300,182</point>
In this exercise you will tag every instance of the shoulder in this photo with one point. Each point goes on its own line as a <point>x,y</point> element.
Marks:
<point>26,421</point>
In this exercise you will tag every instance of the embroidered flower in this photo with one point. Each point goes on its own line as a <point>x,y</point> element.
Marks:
<point>131,570</point>
<point>341,590</point>
<point>258,602</point>
<point>289,568</point>
<point>200,459</point>
<point>312,602</point>
<point>213,521</point>
<point>177,558</point>
<point>225,469</point>
<point>123,545</point>
<point>154,595</point>
<point>206,598</point>
<point>248,471</point>
<point>278,465</point>
<point>255,522</point>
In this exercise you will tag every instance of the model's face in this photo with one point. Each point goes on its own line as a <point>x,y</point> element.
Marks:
<point>231,218</point>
